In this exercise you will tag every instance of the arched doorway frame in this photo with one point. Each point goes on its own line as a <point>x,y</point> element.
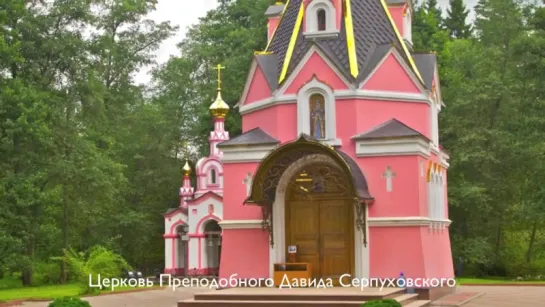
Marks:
<point>277,252</point>
<point>212,232</point>
<point>269,192</point>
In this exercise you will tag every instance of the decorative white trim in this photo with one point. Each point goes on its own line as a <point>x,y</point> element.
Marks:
<point>443,158</point>
<point>311,19</point>
<point>249,78</point>
<point>277,253</point>
<point>238,154</point>
<point>303,109</point>
<point>321,34</point>
<point>297,70</point>
<point>376,68</point>
<point>396,147</point>
<point>339,95</point>
<point>240,224</point>
<point>404,221</point>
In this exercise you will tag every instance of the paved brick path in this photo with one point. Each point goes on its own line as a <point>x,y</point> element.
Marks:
<point>495,296</point>
<point>506,296</point>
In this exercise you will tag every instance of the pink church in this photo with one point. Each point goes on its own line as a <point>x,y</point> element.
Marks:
<point>339,154</point>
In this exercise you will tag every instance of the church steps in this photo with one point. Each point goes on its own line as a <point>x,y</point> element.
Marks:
<point>299,298</point>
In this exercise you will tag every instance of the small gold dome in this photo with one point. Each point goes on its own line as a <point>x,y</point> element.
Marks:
<point>219,108</point>
<point>186,169</point>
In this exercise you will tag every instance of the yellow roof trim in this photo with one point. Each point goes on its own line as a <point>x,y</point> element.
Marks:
<point>293,40</point>
<point>350,41</point>
<point>279,22</point>
<point>411,61</point>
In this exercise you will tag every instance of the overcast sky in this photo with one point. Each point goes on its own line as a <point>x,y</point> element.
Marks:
<point>185,13</point>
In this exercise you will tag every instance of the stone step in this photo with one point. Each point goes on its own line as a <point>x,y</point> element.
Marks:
<point>276,295</point>
<point>406,299</point>
<point>262,303</point>
<point>420,303</point>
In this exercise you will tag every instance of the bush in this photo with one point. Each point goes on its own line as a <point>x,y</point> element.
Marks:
<point>45,273</point>
<point>98,260</point>
<point>69,302</point>
<point>382,303</point>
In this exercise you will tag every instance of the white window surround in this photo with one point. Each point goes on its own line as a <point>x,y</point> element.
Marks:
<point>311,20</point>
<point>303,110</point>
<point>436,196</point>
<point>407,27</point>
<point>434,123</point>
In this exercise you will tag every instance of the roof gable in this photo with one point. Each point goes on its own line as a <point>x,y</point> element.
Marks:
<point>393,65</point>
<point>390,129</point>
<point>254,136</point>
<point>372,26</point>
<point>427,64</point>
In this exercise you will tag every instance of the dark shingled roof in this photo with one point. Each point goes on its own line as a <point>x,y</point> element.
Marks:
<point>274,10</point>
<point>396,1</point>
<point>269,67</point>
<point>372,32</point>
<point>171,210</point>
<point>426,66</point>
<point>390,129</point>
<point>255,136</point>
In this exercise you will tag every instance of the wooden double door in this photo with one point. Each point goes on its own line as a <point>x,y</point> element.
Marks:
<point>323,231</point>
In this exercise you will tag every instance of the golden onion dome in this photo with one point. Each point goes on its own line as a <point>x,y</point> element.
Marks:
<point>186,169</point>
<point>219,108</point>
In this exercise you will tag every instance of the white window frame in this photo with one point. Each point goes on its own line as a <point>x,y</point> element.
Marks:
<point>311,19</point>
<point>303,110</point>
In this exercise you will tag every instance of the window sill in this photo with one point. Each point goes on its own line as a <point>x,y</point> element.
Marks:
<point>332,142</point>
<point>321,34</point>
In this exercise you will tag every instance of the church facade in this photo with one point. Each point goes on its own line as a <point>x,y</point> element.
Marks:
<point>339,154</point>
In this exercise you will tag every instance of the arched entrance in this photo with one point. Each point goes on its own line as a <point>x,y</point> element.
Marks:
<point>319,217</point>
<point>212,232</point>
<point>337,196</point>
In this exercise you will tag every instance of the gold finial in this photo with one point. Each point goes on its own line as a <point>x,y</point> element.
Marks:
<point>219,108</point>
<point>186,169</point>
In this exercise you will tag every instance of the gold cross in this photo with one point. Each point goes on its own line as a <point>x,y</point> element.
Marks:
<point>219,68</point>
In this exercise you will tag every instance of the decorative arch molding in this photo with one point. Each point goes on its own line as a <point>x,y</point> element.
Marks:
<point>311,19</point>
<point>173,227</point>
<point>315,86</point>
<point>199,229</point>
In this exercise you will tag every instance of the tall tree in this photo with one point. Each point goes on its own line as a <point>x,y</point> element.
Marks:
<point>456,20</point>
<point>428,36</point>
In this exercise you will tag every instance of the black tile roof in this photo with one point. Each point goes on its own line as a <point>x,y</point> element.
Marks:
<point>269,66</point>
<point>372,31</point>
<point>426,64</point>
<point>255,136</point>
<point>390,129</point>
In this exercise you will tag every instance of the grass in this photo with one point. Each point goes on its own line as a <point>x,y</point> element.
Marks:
<point>494,281</point>
<point>51,292</point>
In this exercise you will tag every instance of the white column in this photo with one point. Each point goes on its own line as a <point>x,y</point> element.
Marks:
<point>193,253</point>
<point>168,253</point>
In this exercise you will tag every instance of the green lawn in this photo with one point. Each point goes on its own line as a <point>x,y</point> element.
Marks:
<point>49,292</point>
<point>485,281</point>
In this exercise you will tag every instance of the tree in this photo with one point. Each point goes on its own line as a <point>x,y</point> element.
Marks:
<point>428,36</point>
<point>456,20</point>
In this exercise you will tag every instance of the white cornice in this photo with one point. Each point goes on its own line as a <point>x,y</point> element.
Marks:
<point>240,224</point>
<point>372,222</point>
<point>339,96</point>
<point>406,221</point>
<point>393,147</point>
<point>245,153</point>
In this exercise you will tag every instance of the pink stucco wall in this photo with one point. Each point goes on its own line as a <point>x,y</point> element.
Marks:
<point>279,121</point>
<point>397,16</point>
<point>259,88</point>
<point>245,253</point>
<point>235,192</point>
<point>316,66</point>
<point>382,78</point>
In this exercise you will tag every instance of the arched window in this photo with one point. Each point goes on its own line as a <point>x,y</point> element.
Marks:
<point>317,116</point>
<point>321,17</point>
<point>213,176</point>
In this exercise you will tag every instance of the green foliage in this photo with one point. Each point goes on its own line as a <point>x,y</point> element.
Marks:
<point>382,303</point>
<point>69,302</point>
<point>97,261</point>
<point>427,32</point>
<point>45,273</point>
<point>456,20</point>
